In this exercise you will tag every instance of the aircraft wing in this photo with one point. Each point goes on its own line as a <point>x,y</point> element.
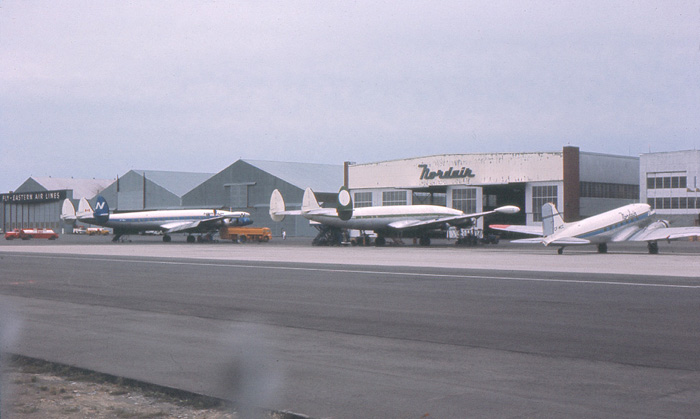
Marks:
<point>184,226</point>
<point>669,233</point>
<point>531,230</point>
<point>180,226</point>
<point>455,220</point>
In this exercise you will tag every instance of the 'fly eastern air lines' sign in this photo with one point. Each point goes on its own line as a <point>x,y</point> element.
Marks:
<point>32,197</point>
<point>451,173</point>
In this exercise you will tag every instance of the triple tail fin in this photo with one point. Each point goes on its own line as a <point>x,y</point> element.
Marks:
<point>68,212</point>
<point>277,206</point>
<point>309,202</point>
<point>101,209</point>
<point>552,221</point>
<point>84,209</point>
<point>344,207</point>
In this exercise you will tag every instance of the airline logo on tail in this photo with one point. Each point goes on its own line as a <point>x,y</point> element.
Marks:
<point>101,210</point>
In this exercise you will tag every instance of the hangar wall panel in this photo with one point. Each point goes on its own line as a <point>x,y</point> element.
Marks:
<point>459,169</point>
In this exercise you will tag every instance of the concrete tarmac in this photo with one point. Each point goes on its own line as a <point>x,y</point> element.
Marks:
<point>365,332</point>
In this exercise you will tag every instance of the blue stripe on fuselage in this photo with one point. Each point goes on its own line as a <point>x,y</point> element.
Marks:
<point>615,226</point>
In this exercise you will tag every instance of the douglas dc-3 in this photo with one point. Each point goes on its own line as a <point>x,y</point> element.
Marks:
<point>632,222</point>
<point>387,221</point>
<point>167,221</point>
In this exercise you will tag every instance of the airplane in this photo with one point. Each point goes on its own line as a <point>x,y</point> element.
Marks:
<point>633,222</point>
<point>167,221</point>
<point>387,221</point>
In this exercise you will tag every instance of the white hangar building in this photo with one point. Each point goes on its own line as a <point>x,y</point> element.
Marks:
<point>580,184</point>
<point>670,184</point>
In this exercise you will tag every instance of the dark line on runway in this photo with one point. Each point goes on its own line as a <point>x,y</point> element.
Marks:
<point>365,272</point>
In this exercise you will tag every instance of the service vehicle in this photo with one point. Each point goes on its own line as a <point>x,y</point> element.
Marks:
<point>91,231</point>
<point>31,233</point>
<point>244,234</point>
<point>12,234</point>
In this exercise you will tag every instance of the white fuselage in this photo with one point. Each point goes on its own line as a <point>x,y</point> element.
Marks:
<point>379,218</point>
<point>615,225</point>
<point>155,220</point>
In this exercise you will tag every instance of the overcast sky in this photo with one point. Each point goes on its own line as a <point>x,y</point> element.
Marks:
<point>94,89</point>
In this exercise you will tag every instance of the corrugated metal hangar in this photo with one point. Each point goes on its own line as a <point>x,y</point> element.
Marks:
<point>580,183</point>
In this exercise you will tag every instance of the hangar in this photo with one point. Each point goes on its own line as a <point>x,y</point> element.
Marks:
<point>246,185</point>
<point>670,185</point>
<point>579,183</point>
<point>37,201</point>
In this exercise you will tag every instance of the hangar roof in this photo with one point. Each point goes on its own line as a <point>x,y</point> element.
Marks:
<point>178,183</point>
<point>319,177</point>
<point>82,188</point>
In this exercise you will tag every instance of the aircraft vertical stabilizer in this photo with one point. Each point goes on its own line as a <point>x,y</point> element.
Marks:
<point>68,212</point>
<point>344,207</point>
<point>551,219</point>
<point>309,201</point>
<point>277,206</point>
<point>84,209</point>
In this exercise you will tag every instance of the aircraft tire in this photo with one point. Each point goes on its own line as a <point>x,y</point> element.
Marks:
<point>166,239</point>
<point>190,239</point>
<point>653,248</point>
<point>380,242</point>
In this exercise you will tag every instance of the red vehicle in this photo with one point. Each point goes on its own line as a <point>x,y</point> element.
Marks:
<point>31,233</point>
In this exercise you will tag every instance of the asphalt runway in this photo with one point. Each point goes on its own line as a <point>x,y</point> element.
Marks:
<point>395,332</point>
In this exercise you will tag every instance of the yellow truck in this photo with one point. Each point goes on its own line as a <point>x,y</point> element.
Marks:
<point>245,234</point>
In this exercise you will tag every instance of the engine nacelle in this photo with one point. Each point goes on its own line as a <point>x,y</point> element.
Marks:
<point>658,224</point>
<point>237,222</point>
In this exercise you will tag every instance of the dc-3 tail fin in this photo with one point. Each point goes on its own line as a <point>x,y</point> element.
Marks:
<point>277,208</point>
<point>309,202</point>
<point>344,207</point>
<point>68,212</point>
<point>551,219</point>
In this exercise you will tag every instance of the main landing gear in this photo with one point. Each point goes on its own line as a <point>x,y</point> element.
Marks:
<point>653,248</point>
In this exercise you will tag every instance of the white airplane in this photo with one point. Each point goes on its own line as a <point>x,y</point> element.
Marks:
<point>632,222</point>
<point>167,221</point>
<point>387,221</point>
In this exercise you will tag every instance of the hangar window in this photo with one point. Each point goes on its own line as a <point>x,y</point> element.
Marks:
<point>464,200</point>
<point>394,198</point>
<point>363,199</point>
<point>540,196</point>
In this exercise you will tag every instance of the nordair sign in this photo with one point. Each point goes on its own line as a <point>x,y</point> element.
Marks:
<point>450,173</point>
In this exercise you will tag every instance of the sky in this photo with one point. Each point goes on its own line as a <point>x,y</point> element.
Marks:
<point>94,89</point>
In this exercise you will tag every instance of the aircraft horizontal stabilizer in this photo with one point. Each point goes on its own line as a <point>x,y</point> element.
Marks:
<point>523,229</point>
<point>530,240</point>
<point>567,241</point>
